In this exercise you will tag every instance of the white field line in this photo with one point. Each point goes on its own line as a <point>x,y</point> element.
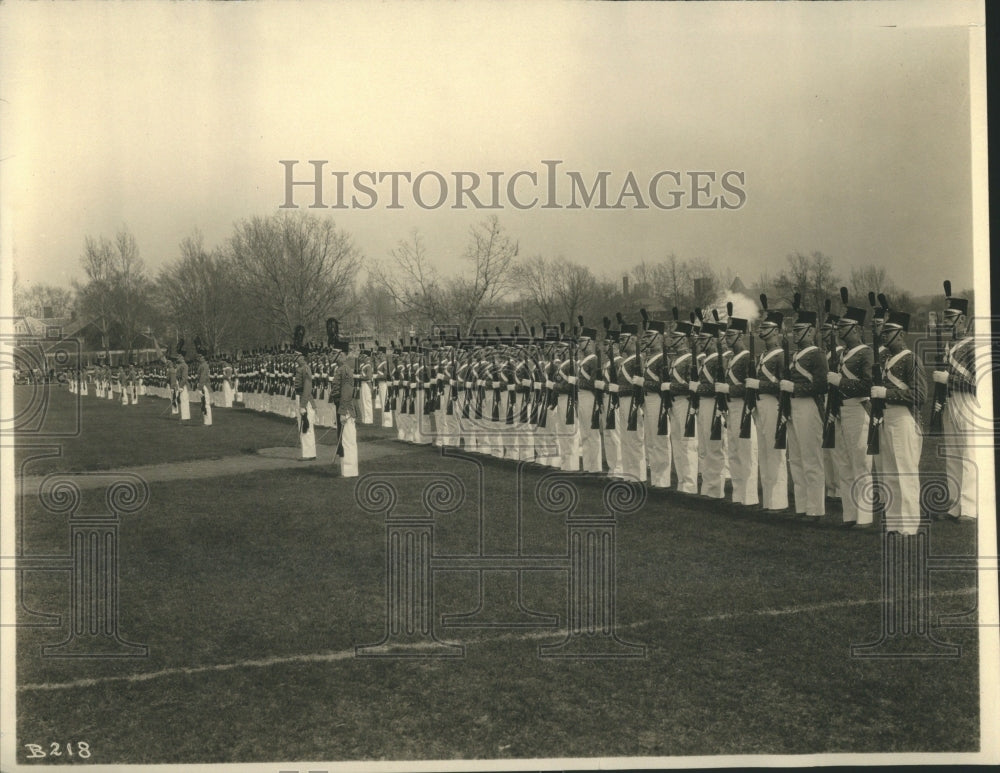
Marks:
<point>328,657</point>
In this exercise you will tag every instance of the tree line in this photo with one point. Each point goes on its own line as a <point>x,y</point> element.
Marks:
<point>278,271</point>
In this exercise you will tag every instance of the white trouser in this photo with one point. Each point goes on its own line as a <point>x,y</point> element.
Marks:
<point>852,463</point>
<point>307,439</point>
<point>900,447</point>
<point>185,403</point>
<point>960,420</point>
<point>367,413</point>
<point>830,473</point>
<point>612,438</point>
<point>349,441</point>
<point>742,457</point>
<point>657,446</point>
<point>805,456</point>
<point>711,453</point>
<point>772,461</point>
<point>590,439</point>
<point>633,443</point>
<point>421,429</point>
<point>383,393</point>
<point>684,450</point>
<point>569,454</point>
<point>207,405</point>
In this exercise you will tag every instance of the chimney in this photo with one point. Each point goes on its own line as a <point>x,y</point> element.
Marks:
<point>625,285</point>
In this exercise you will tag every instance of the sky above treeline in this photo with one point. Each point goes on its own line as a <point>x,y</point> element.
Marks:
<point>842,128</point>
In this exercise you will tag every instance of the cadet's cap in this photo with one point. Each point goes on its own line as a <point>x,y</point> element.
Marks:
<point>898,320</point>
<point>957,306</point>
<point>805,318</point>
<point>852,315</point>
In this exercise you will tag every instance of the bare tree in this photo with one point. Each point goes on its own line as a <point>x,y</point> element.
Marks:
<point>117,291</point>
<point>412,283</point>
<point>536,280</point>
<point>423,297</point>
<point>35,300</point>
<point>294,268</point>
<point>870,279</point>
<point>491,254</point>
<point>576,289</point>
<point>200,296</point>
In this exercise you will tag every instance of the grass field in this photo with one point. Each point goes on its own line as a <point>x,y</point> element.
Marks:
<point>252,590</point>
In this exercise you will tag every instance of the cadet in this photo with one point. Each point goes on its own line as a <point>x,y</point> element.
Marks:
<point>806,383</point>
<point>901,442</point>
<point>851,462</point>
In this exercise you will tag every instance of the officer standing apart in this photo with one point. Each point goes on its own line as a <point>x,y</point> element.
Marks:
<point>347,411</point>
<point>205,389</point>
<point>182,384</point>
<point>307,412</point>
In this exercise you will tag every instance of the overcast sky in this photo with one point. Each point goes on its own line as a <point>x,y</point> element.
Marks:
<point>852,135</point>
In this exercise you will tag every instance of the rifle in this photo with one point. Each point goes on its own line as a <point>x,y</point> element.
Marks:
<point>512,381</point>
<point>666,397</point>
<point>595,415</point>
<point>877,403</point>
<point>638,392</point>
<point>694,399</point>
<point>750,395</point>
<point>721,403</point>
<point>940,390</point>
<point>785,398</point>
<point>571,400</point>
<point>613,402</point>
<point>834,397</point>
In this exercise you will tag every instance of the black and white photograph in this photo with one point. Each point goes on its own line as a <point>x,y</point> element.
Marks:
<point>496,386</point>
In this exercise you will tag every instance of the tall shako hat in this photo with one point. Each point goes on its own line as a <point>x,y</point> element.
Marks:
<point>736,324</point>
<point>852,314</point>
<point>802,317</point>
<point>775,318</point>
<point>830,319</point>
<point>898,320</point>
<point>956,306</point>
<point>878,311</point>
